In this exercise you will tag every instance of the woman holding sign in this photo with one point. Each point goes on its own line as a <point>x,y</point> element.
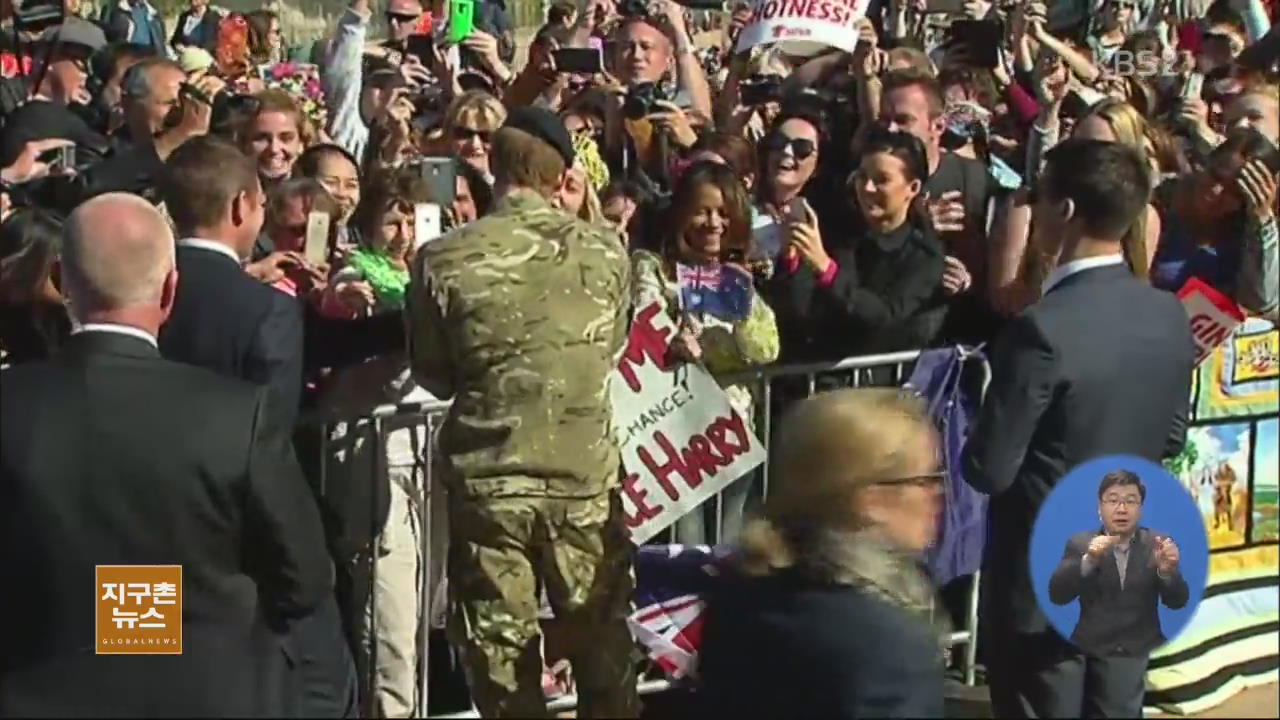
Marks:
<point>701,283</point>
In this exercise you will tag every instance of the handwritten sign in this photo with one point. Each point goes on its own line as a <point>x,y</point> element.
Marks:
<point>1214,317</point>
<point>681,439</point>
<point>803,27</point>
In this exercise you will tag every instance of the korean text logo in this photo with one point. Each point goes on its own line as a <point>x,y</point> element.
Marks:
<point>139,609</point>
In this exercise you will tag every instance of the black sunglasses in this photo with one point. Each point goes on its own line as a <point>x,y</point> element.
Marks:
<point>462,133</point>
<point>802,148</point>
<point>399,19</point>
<point>927,480</point>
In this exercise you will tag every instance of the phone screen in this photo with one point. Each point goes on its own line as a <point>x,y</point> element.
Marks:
<point>428,223</point>
<point>442,179</point>
<point>317,244</point>
<point>578,60</point>
<point>421,47</point>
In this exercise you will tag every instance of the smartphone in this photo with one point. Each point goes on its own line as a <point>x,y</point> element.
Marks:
<point>422,47</point>
<point>981,37</point>
<point>462,19</point>
<point>587,61</point>
<point>316,248</point>
<point>442,178</point>
<point>428,223</point>
<point>1193,87</point>
<point>759,93</point>
<point>944,6</point>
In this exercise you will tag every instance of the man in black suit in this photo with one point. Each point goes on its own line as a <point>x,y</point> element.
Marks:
<point>111,455</point>
<point>1100,365</point>
<point>227,321</point>
<point>1120,573</point>
<point>223,319</point>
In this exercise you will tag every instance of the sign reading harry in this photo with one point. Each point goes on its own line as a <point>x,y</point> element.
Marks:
<point>139,609</point>
<point>803,27</point>
<point>681,440</point>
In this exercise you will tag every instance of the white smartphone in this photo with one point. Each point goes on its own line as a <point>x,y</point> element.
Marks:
<point>1193,87</point>
<point>428,223</point>
<point>316,249</point>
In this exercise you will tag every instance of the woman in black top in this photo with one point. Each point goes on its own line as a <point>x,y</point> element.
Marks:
<point>882,291</point>
<point>33,321</point>
<point>824,610</point>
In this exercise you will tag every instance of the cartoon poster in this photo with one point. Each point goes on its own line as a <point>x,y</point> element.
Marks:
<point>1266,476</point>
<point>1214,467</point>
<point>1241,377</point>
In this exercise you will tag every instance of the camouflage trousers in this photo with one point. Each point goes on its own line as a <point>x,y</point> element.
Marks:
<point>502,552</point>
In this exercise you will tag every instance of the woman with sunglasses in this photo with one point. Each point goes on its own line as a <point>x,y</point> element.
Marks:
<point>789,159</point>
<point>469,124</point>
<point>709,234</point>
<point>880,292</point>
<point>825,599</point>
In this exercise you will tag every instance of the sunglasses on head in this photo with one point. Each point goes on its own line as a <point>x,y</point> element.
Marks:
<point>464,133</point>
<point>802,148</point>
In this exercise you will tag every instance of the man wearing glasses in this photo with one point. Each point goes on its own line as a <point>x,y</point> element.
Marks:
<point>1120,573</point>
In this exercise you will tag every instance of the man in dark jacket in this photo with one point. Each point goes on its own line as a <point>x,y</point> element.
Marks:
<point>1120,573</point>
<point>1100,366</point>
<point>136,22</point>
<point>113,456</point>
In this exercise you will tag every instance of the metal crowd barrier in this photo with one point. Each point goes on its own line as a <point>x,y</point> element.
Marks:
<point>865,371</point>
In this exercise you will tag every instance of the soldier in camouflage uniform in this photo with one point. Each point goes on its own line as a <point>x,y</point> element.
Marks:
<point>520,317</point>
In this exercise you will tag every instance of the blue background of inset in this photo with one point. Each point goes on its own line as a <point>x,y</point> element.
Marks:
<point>1072,507</point>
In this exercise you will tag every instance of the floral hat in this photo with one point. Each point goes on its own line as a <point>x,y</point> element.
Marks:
<point>302,82</point>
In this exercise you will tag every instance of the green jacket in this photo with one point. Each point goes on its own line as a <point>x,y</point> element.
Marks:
<point>520,317</point>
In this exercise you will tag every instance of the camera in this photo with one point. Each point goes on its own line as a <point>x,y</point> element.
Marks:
<point>642,100</point>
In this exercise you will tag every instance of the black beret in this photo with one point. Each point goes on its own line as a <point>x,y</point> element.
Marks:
<point>544,125</point>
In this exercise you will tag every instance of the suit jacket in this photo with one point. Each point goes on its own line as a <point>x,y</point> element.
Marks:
<point>112,455</point>
<point>1100,366</point>
<point>1117,619</point>
<point>225,321</point>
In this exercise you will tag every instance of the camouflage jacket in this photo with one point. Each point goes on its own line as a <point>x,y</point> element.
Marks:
<point>520,317</point>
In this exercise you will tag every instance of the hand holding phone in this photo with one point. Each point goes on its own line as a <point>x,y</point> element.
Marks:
<point>316,249</point>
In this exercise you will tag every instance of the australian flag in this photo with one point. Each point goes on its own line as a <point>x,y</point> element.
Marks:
<point>717,291</point>
<point>670,580</point>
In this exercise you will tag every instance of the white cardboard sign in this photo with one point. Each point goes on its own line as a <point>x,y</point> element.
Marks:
<point>1213,316</point>
<point>681,440</point>
<point>803,27</point>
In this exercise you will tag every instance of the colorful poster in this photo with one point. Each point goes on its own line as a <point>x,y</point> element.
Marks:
<point>1214,467</point>
<point>1266,477</point>
<point>1241,378</point>
<point>682,441</point>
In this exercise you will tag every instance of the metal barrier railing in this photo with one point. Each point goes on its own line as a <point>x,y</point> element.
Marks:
<point>889,369</point>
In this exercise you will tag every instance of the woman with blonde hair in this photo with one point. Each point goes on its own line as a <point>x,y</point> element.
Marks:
<point>826,599</point>
<point>469,124</point>
<point>1019,267</point>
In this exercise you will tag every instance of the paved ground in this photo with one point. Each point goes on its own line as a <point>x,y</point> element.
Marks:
<point>1258,702</point>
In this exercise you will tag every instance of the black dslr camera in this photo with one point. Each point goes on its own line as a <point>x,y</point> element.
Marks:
<point>643,99</point>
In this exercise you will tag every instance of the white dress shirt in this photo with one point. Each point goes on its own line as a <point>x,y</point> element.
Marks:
<point>211,246</point>
<point>119,330</point>
<point>1064,271</point>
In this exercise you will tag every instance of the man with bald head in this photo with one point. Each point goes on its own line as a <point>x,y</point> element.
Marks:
<point>111,455</point>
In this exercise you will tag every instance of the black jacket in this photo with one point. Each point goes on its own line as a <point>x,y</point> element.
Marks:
<point>111,455</point>
<point>1116,619</point>
<point>225,321</point>
<point>783,646</point>
<point>204,35</point>
<point>1100,366</point>
<point>885,297</point>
